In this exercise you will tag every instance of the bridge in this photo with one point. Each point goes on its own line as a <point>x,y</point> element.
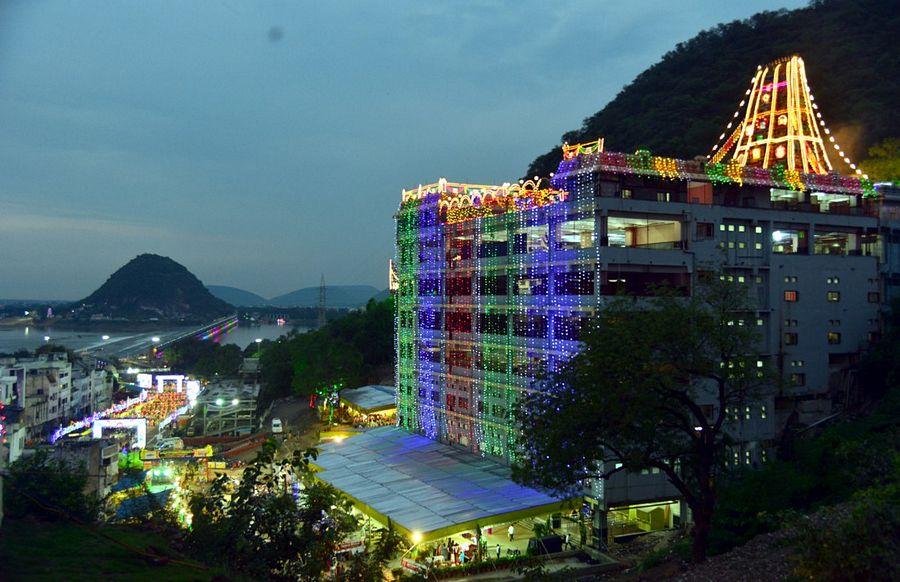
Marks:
<point>143,343</point>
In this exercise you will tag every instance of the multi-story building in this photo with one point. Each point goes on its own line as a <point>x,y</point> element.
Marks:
<point>496,281</point>
<point>42,389</point>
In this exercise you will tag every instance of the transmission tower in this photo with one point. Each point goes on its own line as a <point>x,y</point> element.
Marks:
<point>321,320</point>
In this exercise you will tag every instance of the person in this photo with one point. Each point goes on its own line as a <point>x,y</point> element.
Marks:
<point>498,551</point>
<point>566,543</point>
<point>511,531</point>
<point>462,558</point>
<point>445,553</point>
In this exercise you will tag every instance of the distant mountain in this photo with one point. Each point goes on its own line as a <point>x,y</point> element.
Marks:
<point>235,296</point>
<point>679,106</point>
<point>150,286</point>
<point>335,296</point>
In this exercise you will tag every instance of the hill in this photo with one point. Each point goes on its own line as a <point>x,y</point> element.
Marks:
<point>236,296</point>
<point>679,106</point>
<point>151,286</point>
<point>335,296</point>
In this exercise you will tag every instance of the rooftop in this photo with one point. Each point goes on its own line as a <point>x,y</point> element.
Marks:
<point>369,399</point>
<point>425,487</point>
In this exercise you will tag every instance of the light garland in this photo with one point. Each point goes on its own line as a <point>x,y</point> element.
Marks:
<point>781,125</point>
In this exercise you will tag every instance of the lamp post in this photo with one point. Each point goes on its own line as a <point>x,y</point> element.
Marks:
<point>258,345</point>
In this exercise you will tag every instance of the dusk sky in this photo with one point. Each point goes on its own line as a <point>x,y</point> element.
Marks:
<point>262,144</point>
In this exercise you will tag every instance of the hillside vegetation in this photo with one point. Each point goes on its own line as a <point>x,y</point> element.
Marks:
<point>679,106</point>
<point>153,286</point>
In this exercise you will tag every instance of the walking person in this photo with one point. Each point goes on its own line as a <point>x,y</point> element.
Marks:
<point>511,531</point>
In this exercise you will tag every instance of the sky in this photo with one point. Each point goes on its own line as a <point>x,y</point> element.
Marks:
<point>264,144</point>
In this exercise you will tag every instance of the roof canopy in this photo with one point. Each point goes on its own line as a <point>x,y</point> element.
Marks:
<point>369,399</point>
<point>426,488</point>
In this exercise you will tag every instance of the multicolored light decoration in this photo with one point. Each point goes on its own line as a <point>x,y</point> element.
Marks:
<point>780,126</point>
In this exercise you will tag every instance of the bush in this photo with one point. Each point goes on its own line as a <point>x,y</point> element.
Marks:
<point>861,546</point>
<point>49,488</point>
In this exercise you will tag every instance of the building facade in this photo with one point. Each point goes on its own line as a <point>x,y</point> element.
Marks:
<point>42,389</point>
<point>495,282</point>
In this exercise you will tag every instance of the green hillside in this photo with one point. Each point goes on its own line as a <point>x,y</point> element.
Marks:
<point>679,106</point>
<point>153,286</point>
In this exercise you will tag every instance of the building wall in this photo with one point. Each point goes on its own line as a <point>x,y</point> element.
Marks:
<point>487,304</point>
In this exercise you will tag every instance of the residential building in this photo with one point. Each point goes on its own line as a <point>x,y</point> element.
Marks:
<point>42,389</point>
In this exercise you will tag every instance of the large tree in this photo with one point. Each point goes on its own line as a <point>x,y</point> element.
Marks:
<point>649,390</point>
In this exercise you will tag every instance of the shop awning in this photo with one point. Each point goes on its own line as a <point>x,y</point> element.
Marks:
<point>369,399</point>
<point>426,488</point>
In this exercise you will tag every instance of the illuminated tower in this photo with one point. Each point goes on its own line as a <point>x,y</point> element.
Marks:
<point>781,124</point>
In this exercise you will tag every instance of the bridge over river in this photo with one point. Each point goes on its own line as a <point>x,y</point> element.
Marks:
<point>143,343</point>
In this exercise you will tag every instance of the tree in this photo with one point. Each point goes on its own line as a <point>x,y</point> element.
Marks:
<point>264,530</point>
<point>649,390</point>
<point>49,487</point>
<point>883,163</point>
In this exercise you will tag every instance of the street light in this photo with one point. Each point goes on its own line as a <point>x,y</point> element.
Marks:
<point>104,338</point>
<point>46,338</point>
<point>155,339</point>
<point>219,402</point>
<point>258,345</point>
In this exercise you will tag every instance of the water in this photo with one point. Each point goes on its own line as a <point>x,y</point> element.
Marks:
<point>243,336</point>
<point>30,338</point>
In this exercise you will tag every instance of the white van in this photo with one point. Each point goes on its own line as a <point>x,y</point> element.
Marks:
<point>277,428</point>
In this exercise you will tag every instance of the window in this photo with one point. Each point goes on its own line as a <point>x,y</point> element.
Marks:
<point>626,193</point>
<point>493,285</point>
<point>663,197</point>
<point>574,283</point>
<point>797,363</point>
<point>762,412</point>
<point>494,323</point>
<point>494,244</point>
<point>790,278</point>
<point>874,297</point>
<point>530,284</point>
<point>833,243</point>
<point>790,323</point>
<point>568,327</point>
<point>639,232</point>
<point>832,280</point>
<point>798,379</point>
<point>833,296</point>
<point>757,229</point>
<point>790,339</point>
<point>834,322</point>
<point>704,231</point>
<point>746,413</point>
<point>790,296</point>
<point>789,241</point>
<point>576,234</point>
<point>834,338</point>
<point>534,326</point>
<point>531,238</point>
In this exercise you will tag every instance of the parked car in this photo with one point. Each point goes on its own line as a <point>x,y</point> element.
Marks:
<point>277,427</point>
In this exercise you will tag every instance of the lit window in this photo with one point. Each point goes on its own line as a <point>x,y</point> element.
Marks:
<point>833,296</point>
<point>747,413</point>
<point>790,339</point>
<point>757,246</point>
<point>790,296</point>
<point>834,338</point>
<point>798,379</point>
<point>626,193</point>
<point>759,322</point>
<point>758,230</point>
<point>762,411</point>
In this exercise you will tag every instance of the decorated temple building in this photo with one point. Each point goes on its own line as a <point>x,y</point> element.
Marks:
<point>494,282</point>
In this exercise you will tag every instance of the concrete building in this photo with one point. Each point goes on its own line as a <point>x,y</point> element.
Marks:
<point>42,389</point>
<point>98,457</point>
<point>228,408</point>
<point>494,283</point>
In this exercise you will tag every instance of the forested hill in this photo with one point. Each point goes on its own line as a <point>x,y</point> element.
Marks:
<point>680,106</point>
